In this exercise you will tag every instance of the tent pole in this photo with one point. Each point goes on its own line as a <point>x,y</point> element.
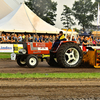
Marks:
<point>29,18</point>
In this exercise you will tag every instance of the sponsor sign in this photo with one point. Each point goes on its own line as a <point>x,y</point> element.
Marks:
<point>17,47</point>
<point>42,48</point>
<point>6,47</point>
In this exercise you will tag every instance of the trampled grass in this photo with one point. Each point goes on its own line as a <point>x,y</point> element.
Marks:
<point>51,75</point>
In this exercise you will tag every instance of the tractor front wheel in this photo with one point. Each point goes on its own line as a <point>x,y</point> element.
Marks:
<point>32,61</point>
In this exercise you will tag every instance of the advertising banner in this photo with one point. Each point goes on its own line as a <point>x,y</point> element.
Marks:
<point>6,47</point>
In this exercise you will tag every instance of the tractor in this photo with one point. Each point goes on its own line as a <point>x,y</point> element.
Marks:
<point>67,54</point>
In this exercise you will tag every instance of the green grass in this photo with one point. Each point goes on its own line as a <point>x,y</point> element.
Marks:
<point>51,75</point>
<point>5,55</point>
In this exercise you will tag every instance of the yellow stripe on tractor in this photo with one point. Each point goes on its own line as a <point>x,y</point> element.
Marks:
<point>45,56</point>
<point>17,47</point>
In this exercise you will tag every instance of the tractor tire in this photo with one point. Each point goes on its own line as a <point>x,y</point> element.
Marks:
<point>21,61</point>
<point>32,61</point>
<point>51,61</point>
<point>69,55</point>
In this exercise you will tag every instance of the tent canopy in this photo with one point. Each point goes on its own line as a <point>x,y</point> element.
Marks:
<point>4,9</point>
<point>70,31</point>
<point>7,6</point>
<point>84,34</point>
<point>96,32</point>
<point>14,3</point>
<point>22,19</point>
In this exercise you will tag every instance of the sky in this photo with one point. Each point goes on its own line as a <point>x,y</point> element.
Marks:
<point>69,3</point>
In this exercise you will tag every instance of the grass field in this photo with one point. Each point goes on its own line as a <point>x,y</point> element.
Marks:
<point>51,75</point>
<point>5,55</point>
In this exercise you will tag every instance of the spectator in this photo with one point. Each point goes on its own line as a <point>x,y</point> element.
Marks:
<point>6,39</point>
<point>53,38</point>
<point>30,39</point>
<point>81,41</point>
<point>11,39</point>
<point>19,38</point>
<point>7,35</point>
<point>34,38</point>
<point>85,41</point>
<point>90,41</point>
<point>50,38</point>
<point>15,39</point>
<point>37,39</point>
<point>26,38</point>
<point>41,38</point>
<point>94,42</point>
<point>68,38</point>
<point>23,37</point>
<point>46,38</point>
<point>77,40</point>
<point>73,38</point>
<point>97,40</point>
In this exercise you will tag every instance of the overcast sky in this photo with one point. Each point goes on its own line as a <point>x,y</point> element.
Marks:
<point>69,3</point>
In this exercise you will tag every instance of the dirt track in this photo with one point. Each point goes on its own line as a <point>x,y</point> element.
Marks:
<point>8,66</point>
<point>47,89</point>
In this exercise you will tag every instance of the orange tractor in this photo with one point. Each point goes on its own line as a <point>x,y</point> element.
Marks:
<point>67,54</point>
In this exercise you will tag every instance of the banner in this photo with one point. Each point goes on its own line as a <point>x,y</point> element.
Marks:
<point>6,47</point>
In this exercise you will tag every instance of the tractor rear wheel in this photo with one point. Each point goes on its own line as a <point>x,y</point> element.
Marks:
<point>69,55</point>
<point>21,61</point>
<point>32,61</point>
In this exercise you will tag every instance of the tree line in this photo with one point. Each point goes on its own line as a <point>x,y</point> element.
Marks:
<point>84,11</point>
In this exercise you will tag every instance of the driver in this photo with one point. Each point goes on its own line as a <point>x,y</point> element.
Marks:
<point>61,37</point>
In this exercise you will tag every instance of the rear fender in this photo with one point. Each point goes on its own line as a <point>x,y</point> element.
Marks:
<point>62,42</point>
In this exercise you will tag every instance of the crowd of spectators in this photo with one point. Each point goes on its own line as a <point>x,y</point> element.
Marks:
<point>22,38</point>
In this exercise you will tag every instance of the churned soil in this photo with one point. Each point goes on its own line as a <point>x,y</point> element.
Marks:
<point>49,89</point>
<point>46,88</point>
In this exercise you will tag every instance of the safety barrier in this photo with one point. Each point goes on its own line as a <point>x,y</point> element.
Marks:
<point>8,48</point>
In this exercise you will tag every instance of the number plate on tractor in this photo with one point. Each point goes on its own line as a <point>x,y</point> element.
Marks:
<point>13,56</point>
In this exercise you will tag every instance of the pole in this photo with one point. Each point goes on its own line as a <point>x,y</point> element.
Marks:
<point>98,18</point>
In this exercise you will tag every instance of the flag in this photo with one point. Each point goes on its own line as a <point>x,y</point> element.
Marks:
<point>98,22</point>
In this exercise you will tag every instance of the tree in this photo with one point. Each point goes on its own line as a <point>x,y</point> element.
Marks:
<point>45,9</point>
<point>97,0</point>
<point>83,11</point>
<point>67,17</point>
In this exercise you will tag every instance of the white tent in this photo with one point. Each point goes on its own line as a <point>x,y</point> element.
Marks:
<point>68,32</point>
<point>14,3</point>
<point>22,19</point>
<point>5,9</point>
<point>7,6</point>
